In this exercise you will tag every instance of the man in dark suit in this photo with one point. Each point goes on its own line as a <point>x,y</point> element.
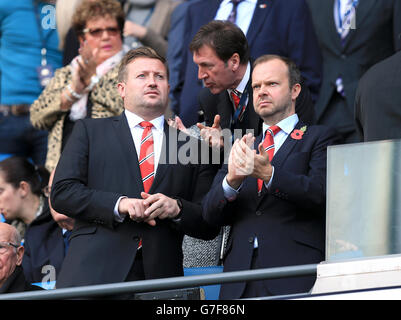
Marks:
<point>131,214</point>
<point>378,101</point>
<point>275,205</point>
<point>277,27</point>
<point>353,36</point>
<point>220,50</point>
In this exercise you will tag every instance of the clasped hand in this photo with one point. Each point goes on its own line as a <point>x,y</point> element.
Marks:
<point>244,161</point>
<point>150,207</point>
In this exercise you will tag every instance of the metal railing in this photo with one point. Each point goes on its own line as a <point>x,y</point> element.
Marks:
<point>163,284</point>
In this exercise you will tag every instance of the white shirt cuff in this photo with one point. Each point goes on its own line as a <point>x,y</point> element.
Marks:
<point>230,193</point>
<point>117,216</point>
<point>267,185</point>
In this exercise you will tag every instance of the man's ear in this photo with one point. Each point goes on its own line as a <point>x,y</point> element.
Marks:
<point>121,89</point>
<point>235,62</point>
<point>20,255</point>
<point>296,90</point>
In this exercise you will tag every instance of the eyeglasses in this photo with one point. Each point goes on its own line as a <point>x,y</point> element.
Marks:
<point>4,246</point>
<point>46,191</point>
<point>98,32</point>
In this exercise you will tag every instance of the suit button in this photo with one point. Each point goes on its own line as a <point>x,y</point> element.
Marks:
<point>258,213</point>
<point>250,240</point>
<point>343,56</point>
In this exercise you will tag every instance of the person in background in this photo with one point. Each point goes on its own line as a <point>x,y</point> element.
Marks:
<point>11,254</point>
<point>87,87</point>
<point>148,23</point>
<point>46,242</point>
<point>353,36</point>
<point>21,191</point>
<point>29,55</point>
<point>378,101</point>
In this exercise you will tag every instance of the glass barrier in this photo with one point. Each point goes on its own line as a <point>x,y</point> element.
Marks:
<point>363,200</point>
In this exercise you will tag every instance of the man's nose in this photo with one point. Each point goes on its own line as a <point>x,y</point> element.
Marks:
<point>201,74</point>
<point>263,91</point>
<point>152,81</point>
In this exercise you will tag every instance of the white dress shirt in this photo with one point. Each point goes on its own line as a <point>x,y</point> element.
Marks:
<point>242,85</point>
<point>245,12</point>
<point>341,11</point>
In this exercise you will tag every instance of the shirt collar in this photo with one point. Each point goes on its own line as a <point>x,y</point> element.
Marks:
<point>134,120</point>
<point>242,85</point>
<point>287,125</point>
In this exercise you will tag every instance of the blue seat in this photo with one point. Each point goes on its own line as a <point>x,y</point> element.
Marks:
<point>212,291</point>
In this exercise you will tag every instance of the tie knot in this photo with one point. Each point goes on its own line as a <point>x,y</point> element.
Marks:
<point>236,2</point>
<point>235,95</point>
<point>145,124</point>
<point>273,130</point>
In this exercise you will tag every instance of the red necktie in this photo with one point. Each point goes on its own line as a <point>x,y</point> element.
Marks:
<point>236,98</point>
<point>146,156</point>
<point>268,145</point>
<point>146,159</point>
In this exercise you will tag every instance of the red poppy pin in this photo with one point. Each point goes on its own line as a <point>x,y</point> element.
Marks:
<point>298,133</point>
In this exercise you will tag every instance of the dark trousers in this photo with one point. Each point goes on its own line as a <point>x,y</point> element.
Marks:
<point>255,288</point>
<point>136,273</point>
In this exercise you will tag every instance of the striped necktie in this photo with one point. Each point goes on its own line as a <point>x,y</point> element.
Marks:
<point>268,145</point>
<point>146,156</point>
<point>236,97</point>
<point>233,14</point>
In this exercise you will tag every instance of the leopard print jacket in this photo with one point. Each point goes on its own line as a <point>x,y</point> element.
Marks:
<point>45,112</point>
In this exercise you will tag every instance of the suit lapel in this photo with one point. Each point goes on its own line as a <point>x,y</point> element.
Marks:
<point>277,161</point>
<point>128,151</point>
<point>225,109</point>
<point>164,160</point>
<point>330,33</point>
<point>254,119</point>
<point>286,148</point>
<point>260,15</point>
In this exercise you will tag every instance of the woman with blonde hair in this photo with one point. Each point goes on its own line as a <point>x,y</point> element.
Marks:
<point>87,87</point>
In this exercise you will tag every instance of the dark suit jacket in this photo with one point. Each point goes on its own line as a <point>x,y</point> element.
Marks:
<point>44,245</point>
<point>378,101</point>
<point>277,27</point>
<point>376,37</point>
<point>288,219</point>
<point>98,165</point>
